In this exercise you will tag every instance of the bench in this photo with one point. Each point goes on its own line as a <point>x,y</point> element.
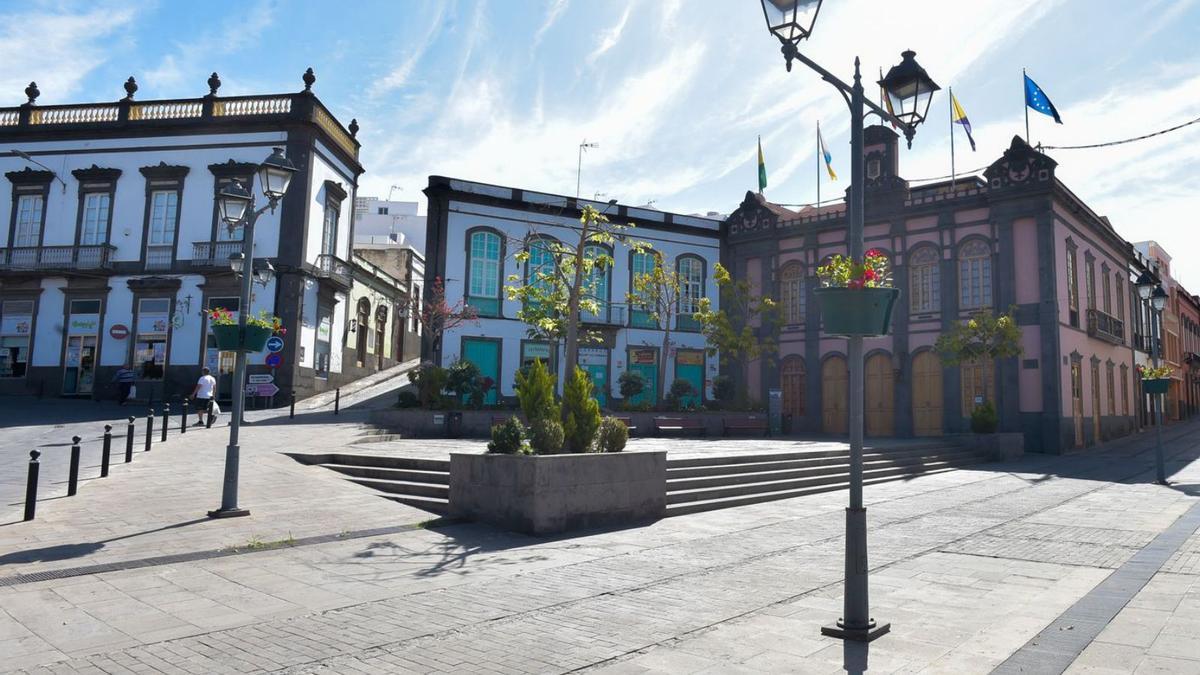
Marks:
<point>754,423</point>
<point>628,423</point>
<point>680,425</point>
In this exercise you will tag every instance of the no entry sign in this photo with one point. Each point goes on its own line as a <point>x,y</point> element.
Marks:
<point>119,331</point>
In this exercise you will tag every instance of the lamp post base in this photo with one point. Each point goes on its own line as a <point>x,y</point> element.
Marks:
<point>228,513</point>
<point>867,634</point>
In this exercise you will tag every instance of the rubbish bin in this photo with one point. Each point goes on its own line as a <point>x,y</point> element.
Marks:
<point>454,424</point>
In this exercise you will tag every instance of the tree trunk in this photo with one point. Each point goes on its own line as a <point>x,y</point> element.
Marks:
<point>662,366</point>
<point>573,297</point>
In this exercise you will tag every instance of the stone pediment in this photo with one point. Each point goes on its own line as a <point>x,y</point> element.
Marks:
<point>1020,166</point>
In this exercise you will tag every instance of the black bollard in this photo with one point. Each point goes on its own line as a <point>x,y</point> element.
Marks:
<point>73,476</point>
<point>106,451</point>
<point>31,484</point>
<point>183,411</point>
<point>337,400</point>
<point>149,430</point>
<point>129,432</point>
<point>166,421</point>
<point>292,409</point>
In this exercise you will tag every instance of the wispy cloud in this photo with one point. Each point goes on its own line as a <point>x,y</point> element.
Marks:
<point>400,75</point>
<point>556,9</point>
<point>609,38</point>
<point>184,70</point>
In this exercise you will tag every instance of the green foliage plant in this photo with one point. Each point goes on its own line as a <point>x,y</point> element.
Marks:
<point>723,389</point>
<point>659,292</point>
<point>1159,373</point>
<point>462,378</point>
<point>681,389</point>
<point>612,435</point>
<point>535,392</point>
<point>430,381</point>
<point>843,272</point>
<point>581,412</point>
<point>982,338</point>
<point>508,438</point>
<point>746,327</point>
<point>631,383</point>
<point>546,436</point>
<point>984,419</point>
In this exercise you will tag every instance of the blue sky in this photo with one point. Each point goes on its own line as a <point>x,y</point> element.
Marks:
<point>674,92</point>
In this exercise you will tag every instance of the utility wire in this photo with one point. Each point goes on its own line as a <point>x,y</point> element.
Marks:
<point>1120,142</point>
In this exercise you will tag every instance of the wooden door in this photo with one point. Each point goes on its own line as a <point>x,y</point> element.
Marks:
<point>927,394</point>
<point>880,409</point>
<point>792,381</point>
<point>1095,403</point>
<point>835,395</point>
<point>1077,402</point>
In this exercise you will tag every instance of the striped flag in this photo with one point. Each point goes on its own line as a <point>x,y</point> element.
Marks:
<point>762,168</point>
<point>960,117</point>
<point>825,154</point>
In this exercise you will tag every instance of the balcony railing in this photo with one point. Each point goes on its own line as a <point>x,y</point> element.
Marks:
<point>333,268</point>
<point>159,257</point>
<point>1105,327</point>
<point>214,254</point>
<point>610,314</point>
<point>97,257</point>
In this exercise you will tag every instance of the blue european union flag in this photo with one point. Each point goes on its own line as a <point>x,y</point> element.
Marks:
<point>1038,100</point>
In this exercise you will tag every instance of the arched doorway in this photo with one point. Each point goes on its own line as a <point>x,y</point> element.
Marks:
<point>927,394</point>
<point>362,327</point>
<point>792,381</point>
<point>381,317</point>
<point>835,395</point>
<point>880,409</point>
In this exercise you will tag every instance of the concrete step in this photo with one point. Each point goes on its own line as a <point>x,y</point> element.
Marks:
<point>433,505</point>
<point>386,461</point>
<point>404,487</point>
<point>761,473</point>
<point>762,462</point>
<point>378,438</point>
<point>726,459</point>
<point>760,497</point>
<point>389,473</point>
<point>744,489</point>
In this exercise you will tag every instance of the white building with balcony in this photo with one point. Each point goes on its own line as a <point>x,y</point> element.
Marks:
<point>474,231</point>
<point>113,249</point>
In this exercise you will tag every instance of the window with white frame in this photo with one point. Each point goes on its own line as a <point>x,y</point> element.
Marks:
<point>164,210</point>
<point>483,270</point>
<point>924,280</point>
<point>93,228</point>
<point>641,264</point>
<point>791,293</point>
<point>975,275</point>
<point>691,287</point>
<point>329,229</point>
<point>28,230</point>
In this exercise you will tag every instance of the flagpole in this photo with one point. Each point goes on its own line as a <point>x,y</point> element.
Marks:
<point>950,90</point>
<point>818,164</point>
<point>760,166</point>
<point>1025,99</point>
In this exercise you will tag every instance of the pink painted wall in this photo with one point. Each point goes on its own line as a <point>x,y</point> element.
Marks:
<point>1030,380</point>
<point>1025,250</point>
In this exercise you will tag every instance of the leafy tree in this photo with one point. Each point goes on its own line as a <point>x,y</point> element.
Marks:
<point>507,438</point>
<point>982,338</point>
<point>565,279</point>
<point>462,378</point>
<point>746,327</point>
<point>438,316</point>
<point>430,381</point>
<point>535,393</point>
<point>581,411</point>
<point>659,292</point>
<point>631,383</point>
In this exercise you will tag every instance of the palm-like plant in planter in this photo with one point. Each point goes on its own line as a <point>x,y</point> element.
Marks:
<point>259,329</point>
<point>1155,380</point>
<point>857,297</point>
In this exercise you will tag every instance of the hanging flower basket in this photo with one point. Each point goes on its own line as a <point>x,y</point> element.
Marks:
<point>857,312</point>
<point>1156,386</point>
<point>227,338</point>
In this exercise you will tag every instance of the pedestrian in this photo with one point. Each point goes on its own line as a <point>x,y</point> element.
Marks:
<point>124,379</point>
<point>202,395</point>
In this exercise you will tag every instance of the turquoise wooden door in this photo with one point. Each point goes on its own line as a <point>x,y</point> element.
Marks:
<point>689,365</point>
<point>485,354</point>
<point>649,373</point>
<point>599,377</point>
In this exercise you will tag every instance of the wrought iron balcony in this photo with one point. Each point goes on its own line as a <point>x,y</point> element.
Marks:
<point>1105,327</point>
<point>609,314</point>
<point>214,254</point>
<point>42,258</point>
<point>333,268</point>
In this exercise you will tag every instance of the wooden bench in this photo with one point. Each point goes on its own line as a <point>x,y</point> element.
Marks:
<point>680,425</point>
<point>754,423</point>
<point>628,422</point>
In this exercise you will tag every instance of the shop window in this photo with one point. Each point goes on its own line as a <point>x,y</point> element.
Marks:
<point>16,325</point>
<point>150,346</point>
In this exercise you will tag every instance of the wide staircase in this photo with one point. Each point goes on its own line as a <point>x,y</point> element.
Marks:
<point>704,483</point>
<point>696,483</point>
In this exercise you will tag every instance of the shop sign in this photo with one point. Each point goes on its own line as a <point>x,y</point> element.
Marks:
<point>593,357</point>
<point>642,356</point>
<point>83,324</point>
<point>689,357</point>
<point>16,325</point>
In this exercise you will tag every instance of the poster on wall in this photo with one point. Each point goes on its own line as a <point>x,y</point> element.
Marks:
<point>152,323</point>
<point>593,357</point>
<point>18,324</point>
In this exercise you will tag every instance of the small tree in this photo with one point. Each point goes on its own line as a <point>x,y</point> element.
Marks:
<point>982,338</point>
<point>438,316</point>
<point>659,292</point>
<point>535,393</point>
<point>746,327</point>
<point>581,412</point>
<point>631,383</point>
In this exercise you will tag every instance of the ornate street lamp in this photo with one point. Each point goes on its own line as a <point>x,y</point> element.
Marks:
<point>910,89</point>
<point>235,204</point>
<point>1145,285</point>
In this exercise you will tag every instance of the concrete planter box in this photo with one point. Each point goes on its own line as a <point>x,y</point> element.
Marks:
<point>418,423</point>
<point>1000,447</point>
<point>548,494</point>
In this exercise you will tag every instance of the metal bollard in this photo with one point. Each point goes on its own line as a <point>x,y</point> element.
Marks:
<point>208,420</point>
<point>337,400</point>
<point>129,432</point>
<point>31,484</point>
<point>183,411</point>
<point>106,451</point>
<point>292,409</point>
<point>149,430</point>
<point>166,421</point>
<point>73,476</point>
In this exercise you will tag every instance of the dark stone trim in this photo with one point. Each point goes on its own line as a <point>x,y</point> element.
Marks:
<point>335,191</point>
<point>164,172</point>
<point>30,177</point>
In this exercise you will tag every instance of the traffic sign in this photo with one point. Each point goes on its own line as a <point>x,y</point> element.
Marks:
<point>268,389</point>
<point>252,390</point>
<point>262,378</point>
<point>119,331</point>
<point>274,359</point>
<point>274,344</point>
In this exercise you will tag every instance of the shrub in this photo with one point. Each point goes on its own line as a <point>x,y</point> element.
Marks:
<point>546,436</point>
<point>408,399</point>
<point>581,412</point>
<point>612,435</point>
<point>535,391</point>
<point>984,419</point>
<point>507,438</point>
<point>462,378</point>
<point>680,390</point>
<point>430,381</point>
<point>723,389</point>
<point>631,383</point>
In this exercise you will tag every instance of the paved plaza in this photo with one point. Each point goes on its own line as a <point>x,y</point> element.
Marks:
<point>1017,567</point>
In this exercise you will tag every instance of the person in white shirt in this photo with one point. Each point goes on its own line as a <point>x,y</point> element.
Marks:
<point>203,394</point>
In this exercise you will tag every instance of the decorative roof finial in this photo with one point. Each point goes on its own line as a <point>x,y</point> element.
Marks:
<point>32,92</point>
<point>214,83</point>
<point>130,88</point>
<point>354,128</point>
<point>309,78</point>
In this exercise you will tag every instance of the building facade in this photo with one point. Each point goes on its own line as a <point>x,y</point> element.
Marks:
<point>377,217</point>
<point>113,247</point>
<point>1016,238</point>
<point>475,230</point>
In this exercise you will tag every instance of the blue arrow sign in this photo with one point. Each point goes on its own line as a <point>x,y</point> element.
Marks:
<point>274,344</point>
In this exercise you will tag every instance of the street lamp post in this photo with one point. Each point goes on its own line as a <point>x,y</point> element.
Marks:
<point>909,91</point>
<point>236,207</point>
<point>1149,290</point>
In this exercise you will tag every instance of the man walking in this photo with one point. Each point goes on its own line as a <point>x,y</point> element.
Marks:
<point>203,394</point>
<point>124,379</point>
